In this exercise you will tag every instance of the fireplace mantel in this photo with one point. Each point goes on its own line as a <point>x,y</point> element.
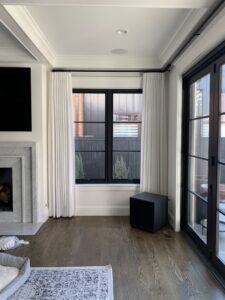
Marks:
<point>21,157</point>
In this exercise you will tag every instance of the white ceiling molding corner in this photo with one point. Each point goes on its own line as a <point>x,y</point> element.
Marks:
<point>211,37</point>
<point>180,34</point>
<point>109,62</point>
<point>26,30</point>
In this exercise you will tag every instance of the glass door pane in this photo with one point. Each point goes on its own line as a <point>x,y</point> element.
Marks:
<point>199,137</point>
<point>221,213</point>
<point>198,157</point>
<point>220,247</point>
<point>200,97</point>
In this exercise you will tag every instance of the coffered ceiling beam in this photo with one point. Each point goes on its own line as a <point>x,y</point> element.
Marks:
<point>18,21</point>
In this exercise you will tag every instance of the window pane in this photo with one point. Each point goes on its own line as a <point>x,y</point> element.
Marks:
<point>222,138</point>
<point>89,136</point>
<point>127,107</point>
<point>126,111</point>
<point>127,137</point>
<point>198,176</point>
<point>197,216</point>
<point>90,165</point>
<point>199,137</point>
<point>89,107</point>
<point>222,87</point>
<point>127,130</point>
<point>126,165</point>
<point>200,97</point>
<point>127,144</point>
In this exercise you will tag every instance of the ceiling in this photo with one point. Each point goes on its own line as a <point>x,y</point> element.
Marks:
<point>92,30</point>
<point>74,33</point>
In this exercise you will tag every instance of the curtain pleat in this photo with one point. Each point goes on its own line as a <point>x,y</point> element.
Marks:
<point>154,135</point>
<point>61,149</point>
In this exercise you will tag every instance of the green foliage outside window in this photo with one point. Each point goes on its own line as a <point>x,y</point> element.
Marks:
<point>120,170</point>
<point>79,166</point>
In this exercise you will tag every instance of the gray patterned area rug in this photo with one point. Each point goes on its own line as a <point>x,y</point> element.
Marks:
<point>69,283</point>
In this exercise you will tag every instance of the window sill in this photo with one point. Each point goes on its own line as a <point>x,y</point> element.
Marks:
<point>108,187</point>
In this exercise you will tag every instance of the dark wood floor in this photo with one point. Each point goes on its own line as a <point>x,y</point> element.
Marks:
<point>145,266</point>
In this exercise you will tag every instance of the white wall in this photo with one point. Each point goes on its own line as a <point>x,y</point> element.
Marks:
<point>38,134</point>
<point>174,147</point>
<point>108,80</point>
<point>209,39</point>
<point>105,199</point>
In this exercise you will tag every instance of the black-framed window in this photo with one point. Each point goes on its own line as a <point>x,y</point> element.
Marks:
<point>107,131</point>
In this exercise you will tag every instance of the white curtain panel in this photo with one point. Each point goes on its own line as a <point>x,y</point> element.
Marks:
<point>61,165</point>
<point>154,135</point>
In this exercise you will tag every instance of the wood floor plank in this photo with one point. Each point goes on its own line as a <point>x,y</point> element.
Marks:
<point>160,266</point>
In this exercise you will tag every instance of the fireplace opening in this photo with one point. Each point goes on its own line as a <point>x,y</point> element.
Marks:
<point>6,198</point>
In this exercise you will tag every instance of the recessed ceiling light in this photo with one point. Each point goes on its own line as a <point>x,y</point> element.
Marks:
<point>119,51</point>
<point>121,31</point>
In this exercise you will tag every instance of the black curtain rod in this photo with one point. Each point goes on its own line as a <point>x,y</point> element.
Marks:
<point>220,4</point>
<point>108,71</point>
<point>186,43</point>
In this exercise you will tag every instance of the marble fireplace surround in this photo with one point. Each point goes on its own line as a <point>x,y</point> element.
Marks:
<point>21,157</point>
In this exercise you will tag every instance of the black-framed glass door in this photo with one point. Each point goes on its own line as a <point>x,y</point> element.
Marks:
<point>218,253</point>
<point>198,156</point>
<point>203,198</point>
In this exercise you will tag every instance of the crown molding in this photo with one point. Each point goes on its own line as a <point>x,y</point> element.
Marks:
<point>18,33</point>
<point>20,23</point>
<point>117,3</point>
<point>186,27</point>
<point>209,39</point>
<point>106,62</point>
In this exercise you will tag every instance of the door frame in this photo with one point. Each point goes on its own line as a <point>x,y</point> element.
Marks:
<point>217,98</point>
<point>212,62</point>
<point>185,155</point>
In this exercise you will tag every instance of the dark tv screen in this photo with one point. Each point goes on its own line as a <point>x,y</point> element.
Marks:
<point>15,99</point>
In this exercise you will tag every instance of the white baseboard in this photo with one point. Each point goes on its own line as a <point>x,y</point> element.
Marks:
<point>171,221</point>
<point>102,211</point>
<point>44,217</point>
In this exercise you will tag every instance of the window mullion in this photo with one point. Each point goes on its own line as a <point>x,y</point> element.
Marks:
<point>109,136</point>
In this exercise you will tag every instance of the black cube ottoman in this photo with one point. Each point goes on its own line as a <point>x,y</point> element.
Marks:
<point>148,211</point>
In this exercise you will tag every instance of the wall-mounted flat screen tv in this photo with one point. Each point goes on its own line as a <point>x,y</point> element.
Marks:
<point>15,99</point>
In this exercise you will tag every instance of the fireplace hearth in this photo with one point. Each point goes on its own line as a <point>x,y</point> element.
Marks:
<point>6,195</point>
